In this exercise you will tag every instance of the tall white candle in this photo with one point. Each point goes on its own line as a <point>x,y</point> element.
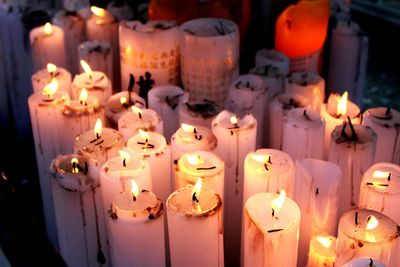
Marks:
<point>236,138</point>
<point>152,47</point>
<point>271,229</point>
<point>166,101</point>
<point>386,123</point>
<point>79,211</point>
<point>303,134</point>
<point>44,76</point>
<point>47,44</point>
<point>120,9</point>
<point>367,233</point>
<point>380,189</point>
<point>274,58</point>
<point>352,148</point>
<point>209,57</point>
<point>364,262</point>
<point>200,113</point>
<point>322,251</point>
<point>317,194</point>
<point>195,227</point>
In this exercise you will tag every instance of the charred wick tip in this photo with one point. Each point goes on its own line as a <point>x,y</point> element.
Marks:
<point>356,218</point>
<point>194,198</point>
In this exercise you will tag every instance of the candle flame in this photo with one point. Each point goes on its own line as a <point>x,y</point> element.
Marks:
<point>124,156</point>
<point>86,68</point>
<point>48,28</point>
<point>98,127</point>
<point>51,88</point>
<point>137,111</point>
<point>326,242</point>
<point>197,188</point>
<point>381,174</point>
<point>134,189</point>
<point>278,202</point>
<point>51,68</point>
<point>234,120</point>
<point>372,222</point>
<point>74,162</point>
<point>123,100</point>
<point>83,96</point>
<point>261,158</point>
<point>342,105</point>
<point>187,128</point>
<point>194,159</point>
<point>100,12</point>
<point>144,134</point>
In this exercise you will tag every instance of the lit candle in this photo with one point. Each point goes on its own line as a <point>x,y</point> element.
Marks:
<point>120,9</point>
<point>352,148</point>
<point>317,194</point>
<point>236,138</point>
<point>334,112</point>
<point>309,85</point>
<point>364,262</point>
<point>303,134</point>
<point>194,227</point>
<point>46,119</point>
<point>367,233</point>
<point>274,58</point>
<point>101,143</point>
<point>278,109</point>
<point>136,229</point>
<point>151,47</point>
<point>73,26</point>
<point>247,94</point>
<point>145,119</point>
<point>166,101</point>
<point>200,164</point>
<point>44,76</point>
<point>154,148</point>
<point>322,251</point>
<point>385,122</point>
<point>199,113</point>
<point>380,190</point>
<point>47,44</point>
<point>79,211</point>
<point>204,74</point>
<point>116,174</point>
<point>271,229</point>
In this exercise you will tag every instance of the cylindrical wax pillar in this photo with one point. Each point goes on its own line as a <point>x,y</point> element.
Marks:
<point>73,26</point>
<point>386,124</point>
<point>194,228</point>
<point>274,58</point>
<point>380,190</point>
<point>44,76</point>
<point>236,138</point>
<point>317,194</point>
<point>308,84</point>
<point>120,9</point>
<point>79,211</point>
<point>247,95</point>
<point>352,148</point>
<point>303,134</point>
<point>136,229</point>
<point>364,262</point>
<point>166,101</point>
<point>209,57</point>
<point>322,251</point>
<point>200,113</point>
<point>153,48</point>
<point>47,44</point>
<point>367,233</point>
<point>271,229</point>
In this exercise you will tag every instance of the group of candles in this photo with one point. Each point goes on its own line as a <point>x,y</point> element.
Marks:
<point>199,154</point>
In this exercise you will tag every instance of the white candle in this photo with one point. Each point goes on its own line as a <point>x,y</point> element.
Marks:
<point>152,47</point>
<point>380,190</point>
<point>47,44</point>
<point>308,84</point>
<point>367,233</point>
<point>386,123</point>
<point>277,111</point>
<point>271,229</point>
<point>73,26</point>
<point>247,94</point>
<point>274,58</point>
<point>120,9</point>
<point>364,262</point>
<point>317,194</point>
<point>209,57</point>
<point>194,227</point>
<point>352,148</point>
<point>303,134</point>
<point>136,228</point>
<point>322,251</point>
<point>96,82</point>
<point>46,119</point>
<point>145,119</point>
<point>200,113</point>
<point>102,26</point>
<point>79,211</point>
<point>154,148</point>
<point>166,101</point>
<point>101,143</point>
<point>44,76</point>
<point>236,138</point>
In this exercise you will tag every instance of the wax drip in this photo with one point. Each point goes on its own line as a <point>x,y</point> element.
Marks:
<point>100,255</point>
<point>396,140</point>
<point>237,165</point>
<point>371,262</point>
<point>353,137</point>
<point>83,221</point>
<point>130,88</point>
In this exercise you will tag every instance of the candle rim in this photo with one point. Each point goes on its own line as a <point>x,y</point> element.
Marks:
<point>299,77</point>
<point>317,121</point>
<point>224,115</point>
<point>256,83</point>
<point>207,142</point>
<point>274,153</point>
<point>193,173</point>
<point>383,122</point>
<point>187,31</point>
<point>73,108</point>
<point>160,149</point>
<point>132,26</point>
<point>382,166</point>
<point>118,138</point>
<point>366,135</point>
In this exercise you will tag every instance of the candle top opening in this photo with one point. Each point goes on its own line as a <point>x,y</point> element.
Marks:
<point>271,162</point>
<point>201,139</point>
<point>231,122</point>
<point>88,142</point>
<point>209,27</point>
<point>385,117</point>
<point>383,177</point>
<point>304,78</point>
<point>151,26</point>
<point>200,164</point>
<point>248,82</point>
<point>134,165</point>
<point>364,134</point>
<point>146,119</point>
<point>289,100</point>
<point>348,108</point>
<point>206,109</point>
<point>156,143</point>
<point>323,245</point>
<point>304,118</point>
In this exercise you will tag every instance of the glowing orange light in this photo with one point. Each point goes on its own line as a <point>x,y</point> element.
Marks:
<point>234,120</point>
<point>74,162</point>
<point>86,68</point>
<point>100,12</point>
<point>98,127</point>
<point>194,159</point>
<point>51,68</point>
<point>326,242</point>
<point>48,28</point>
<point>83,96</point>
<point>134,189</point>
<point>187,128</point>
<point>372,223</point>
<point>51,88</point>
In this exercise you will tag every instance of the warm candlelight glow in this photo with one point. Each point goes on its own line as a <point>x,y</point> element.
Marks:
<point>187,128</point>
<point>98,128</point>
<point>342,105</point>
<point>48,28</point>
<point>261,158</point>
<point>278,202</point>
<point>326,242</point>
<point>137,111</point>
<point>196,189</point>
<point>74,162</point>
<point>372,222</point>
<point>51,88</point>
<point>83,96</point>
<point>134,189</point>
<point>125,157</point>
<point>51,68</point>
<point>234,120</point>
<point>194,159</point>
<point>86,68</point>
<point>144,135</point>
<point>381,174</point>
<point>123,100</point>
<point>100,12</point>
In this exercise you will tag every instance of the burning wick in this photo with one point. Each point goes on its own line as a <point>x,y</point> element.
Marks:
<point>83,97</point>
<point>134,190</point>
<point>277,203</point>
<point>75,165</point>
<point>265,159</point>
<point>125,157</point>
<point>196,190</point>
<point>306,115</point>
<point>234,120</point>
<point>353,136</point>
<point>137,111</point>
<point>87,69</point>
<point>191,129</point>
<point>342,105</point>
<point>51,69</point>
